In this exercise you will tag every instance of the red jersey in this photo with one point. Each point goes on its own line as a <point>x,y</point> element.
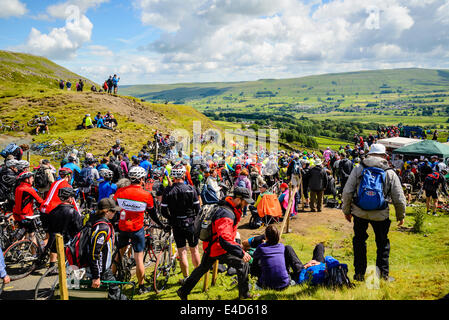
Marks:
<point>52,200</point>
<point>25,195</point>
<point>134,201</point>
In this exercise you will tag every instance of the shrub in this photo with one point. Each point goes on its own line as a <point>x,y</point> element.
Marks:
<point>418,218</point>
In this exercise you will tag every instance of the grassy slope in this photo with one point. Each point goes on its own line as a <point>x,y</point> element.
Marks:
<point>29,84</point>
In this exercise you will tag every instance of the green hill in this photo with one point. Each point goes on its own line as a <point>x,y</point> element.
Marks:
<point>29,85</point>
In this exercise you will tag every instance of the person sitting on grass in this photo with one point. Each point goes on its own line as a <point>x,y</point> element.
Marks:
<point>272,261</point>
<point>87,122</point>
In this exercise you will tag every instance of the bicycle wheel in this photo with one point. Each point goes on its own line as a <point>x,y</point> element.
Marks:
<point>32,123</point>
<point>20,259</point>
<point>122,266</point>
<point>164,267</point>
<point>47,284</point>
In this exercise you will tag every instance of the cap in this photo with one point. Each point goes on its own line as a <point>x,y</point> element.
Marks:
<point>377,149</point>
<point>108,203</point>
<point>284,185</point>
<point>244,194</point>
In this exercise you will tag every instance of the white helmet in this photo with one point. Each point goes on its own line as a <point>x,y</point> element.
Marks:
<point>106,173</point>
<point>137,173</point>
<point>178,172</point>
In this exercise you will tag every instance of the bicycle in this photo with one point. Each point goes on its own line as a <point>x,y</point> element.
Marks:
<point>24,256</point>
<point>51,120</point>
<point>14,126</point>
<point>165,265</point>
<point>8,232</point>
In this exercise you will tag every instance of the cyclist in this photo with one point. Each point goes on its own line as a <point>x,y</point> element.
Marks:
<point>25,196</point>
<point>101,247</point>
<point>135,201</point>
<point>52,200</point>
<point>42,124</point>
<point>64,219</point>
<point>106,187</point>
<point>180,204</point>
<point>116,149</point>
<point>76,170</point>
<point>223,246</point>
<point>88,179</point>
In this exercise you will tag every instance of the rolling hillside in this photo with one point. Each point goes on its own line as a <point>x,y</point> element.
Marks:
<point>29,85</point>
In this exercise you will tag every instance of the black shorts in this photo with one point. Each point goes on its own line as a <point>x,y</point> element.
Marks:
<point>431,193</point>
<point>27,225</point>
<point>183,233</point>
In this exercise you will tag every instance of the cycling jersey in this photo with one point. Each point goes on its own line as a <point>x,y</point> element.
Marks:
<point>101,247</point>
<point>105,189</point>
<point>52,200</point>
<point>181,200</point>
<point>134,201</point>
<point>25,195</point>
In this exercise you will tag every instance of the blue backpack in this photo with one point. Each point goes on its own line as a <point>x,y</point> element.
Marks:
<point>85,178</point>
<point>331,274</point>
<point>10,148</point>
<point>370,195</point>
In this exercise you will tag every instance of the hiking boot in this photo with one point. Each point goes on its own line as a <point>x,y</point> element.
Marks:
<point>181,295</point>
<point>359,277</point>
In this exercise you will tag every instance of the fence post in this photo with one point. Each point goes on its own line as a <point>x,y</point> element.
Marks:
<point>214,274</point>
<point>64,294</point>
<point>287,211</point>
<point>206,280</point>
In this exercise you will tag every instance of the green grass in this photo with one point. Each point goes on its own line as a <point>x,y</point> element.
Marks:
<point>419,262</point>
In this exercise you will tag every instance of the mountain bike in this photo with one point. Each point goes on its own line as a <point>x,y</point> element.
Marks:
<point>14,126</point>
<point>51,120</point>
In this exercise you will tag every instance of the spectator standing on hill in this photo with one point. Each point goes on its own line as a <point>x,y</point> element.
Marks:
<point>68,85</point>
<point>317,184</point>
<point>365,211</point>
<point>115,81</point>
<point>110,84</point>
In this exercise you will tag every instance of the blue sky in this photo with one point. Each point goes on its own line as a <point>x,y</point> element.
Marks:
<point>171,41</point>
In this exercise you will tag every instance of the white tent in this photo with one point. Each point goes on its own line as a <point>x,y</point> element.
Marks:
<point>397,142</point>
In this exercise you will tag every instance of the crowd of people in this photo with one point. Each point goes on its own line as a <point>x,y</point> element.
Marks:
<point>110,85</point>
<point>175,189</point>
<point>106,121</point>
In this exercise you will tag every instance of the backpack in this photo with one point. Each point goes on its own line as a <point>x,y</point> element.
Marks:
<point>241,183</point>
<point>84,179</point>
<point>336,274</point>
<point>208,196</point>
<point>296,167</point>
<point>431,181</point>
<point>9,149</point>
<point>202,225</point>
<point>254,182</point>
<point>41,178</point>
<point>255,221</point>
<point>370,195</point>
<point>77,250</point>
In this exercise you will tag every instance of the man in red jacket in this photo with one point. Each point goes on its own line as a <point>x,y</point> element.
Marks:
<point>25,196</point>
<point>223,246</point>
<point>52,200</point>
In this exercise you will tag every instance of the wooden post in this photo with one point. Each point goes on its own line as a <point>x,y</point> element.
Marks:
<point>215,273</point>
<point>206,280</point>
<point>287,211</point>
<point>61,267</point>
<point>28,156</point>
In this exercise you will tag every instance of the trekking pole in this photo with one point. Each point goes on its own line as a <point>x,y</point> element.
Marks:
<point>64,294</point>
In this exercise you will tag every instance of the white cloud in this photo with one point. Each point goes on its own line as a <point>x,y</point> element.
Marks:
<point>61,10</point>
<point>59,43</point>
<point>12,8</point>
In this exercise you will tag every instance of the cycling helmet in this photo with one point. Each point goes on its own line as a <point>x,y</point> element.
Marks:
<point>178,172</point>
<point>11,163</point>
<point>71,158</point>
<point>66,193</point>
<point>64,172</point>
<point>137,173</point>
<point>22,165</point>
<point>158,172</point>
<point>24,175</point>
<point>106,173</point>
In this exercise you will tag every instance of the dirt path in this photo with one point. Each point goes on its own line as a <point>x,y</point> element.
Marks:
<point>331,218</point>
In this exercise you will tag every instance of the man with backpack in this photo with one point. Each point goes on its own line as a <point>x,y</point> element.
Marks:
<point>106,187</point>
<point>14,150</point>
<point>222,245</point>
<point>76,170</point>
<point>180,204</point>
<point>8,175</point>
<point>431,185</point>
<point>364,199</point>
<point>86,180</point>
<point>43,178</point>
<point>64,219</point>
<point>294,171</point>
